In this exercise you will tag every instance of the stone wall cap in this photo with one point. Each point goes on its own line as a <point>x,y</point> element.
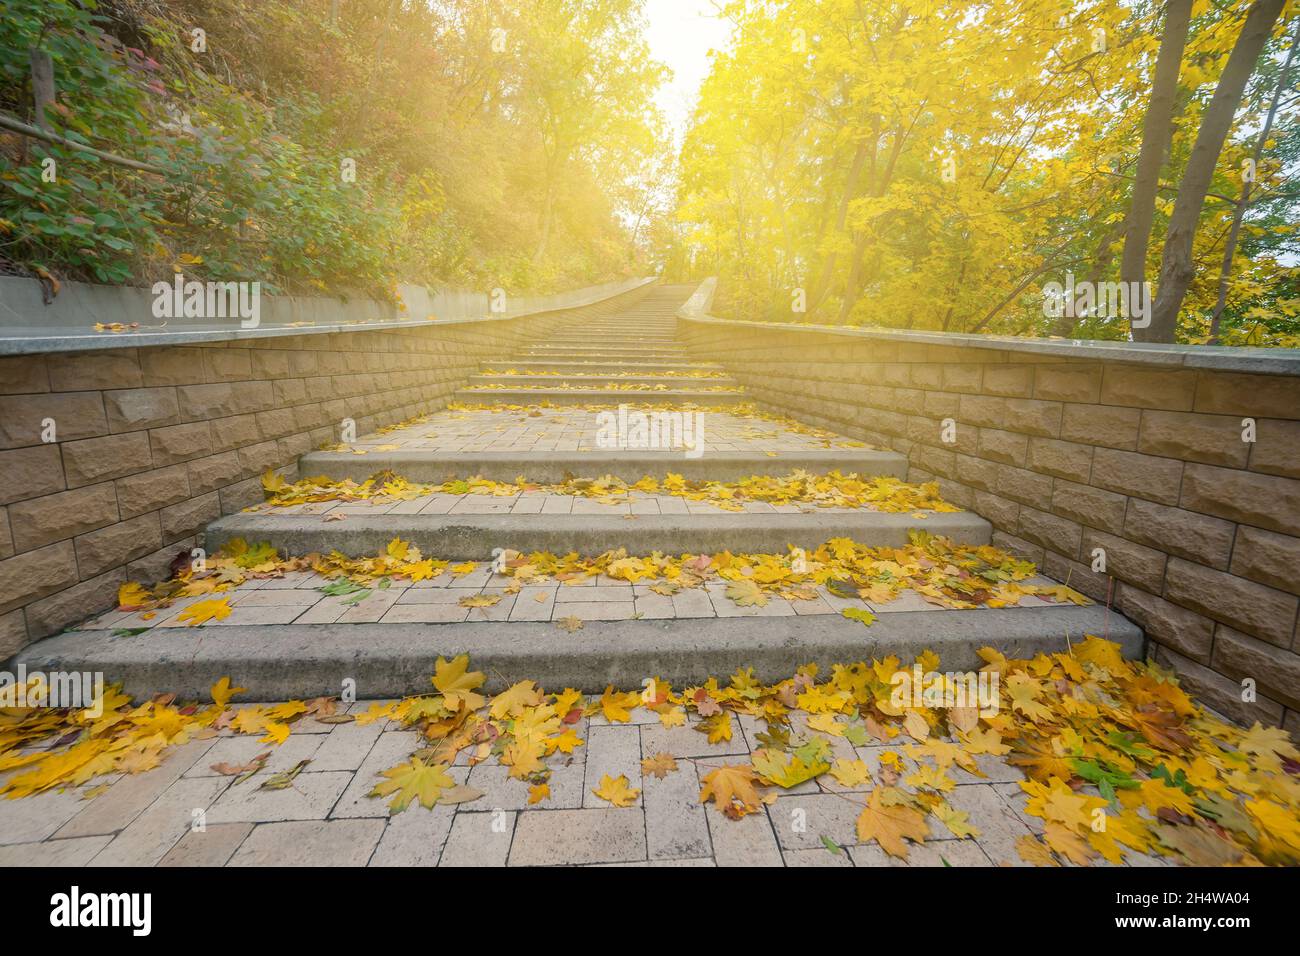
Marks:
<point>1226,358</point>
<point>28,326</point>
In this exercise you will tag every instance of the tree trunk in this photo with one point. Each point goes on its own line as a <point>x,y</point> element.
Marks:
<point>1176,266</point>
<point>1230,246</point>
<point>1157,131</point>
<point>43,91</point>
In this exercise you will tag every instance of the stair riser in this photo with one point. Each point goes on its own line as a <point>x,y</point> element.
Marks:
<point>476,537</point>
<point>591,368</point>
<point>597,397</point>
<point>589,379</point>
<point>629,466</point>
<point>604,355</point>
<point>302,661</point>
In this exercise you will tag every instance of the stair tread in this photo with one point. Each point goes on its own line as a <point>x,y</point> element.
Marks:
<point>392,659</point>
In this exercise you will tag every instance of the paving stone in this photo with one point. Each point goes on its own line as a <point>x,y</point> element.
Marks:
<point>840,748</point>
<point>949,852</point>
<point>686,741</point>
<point>29,819</point>
<point>239,751</point>
<point>392,748</point>
<point>425,614</point>
<point>613,594</point>
<point>801,820</point>
<point>501,791</point>
<point>372,608</point>
<point>345,747</point>
<point>480,839</point>
<point>274,597</point>
<point>906,601</point>
<point>415,836</point>
<point>309,798</point>
<point>613,751</point>
<point>654,607</point>
<point>155,831</point>
<point>596,610</point>
<point>995,769</point>
<point>819,857</point>
<point>1016,798</point>
<point>693,602</point>
<point>128,797</point>
<point>74,852</point>
<point>675,826</point>
<point>724,606</point>
<point>245,616</point>
<point>310,843</point>
<point>998,824</point>
<point>748,841</point>
<point>213,846</point>
<point>557,837</point>
<point>636,716</point>
<point>527,607</point>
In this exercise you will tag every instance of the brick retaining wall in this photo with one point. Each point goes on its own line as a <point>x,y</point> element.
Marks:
<point>153,443</point>
<point>1064,455</point>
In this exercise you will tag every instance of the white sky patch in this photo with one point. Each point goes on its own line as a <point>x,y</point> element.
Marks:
<point>681,33</point>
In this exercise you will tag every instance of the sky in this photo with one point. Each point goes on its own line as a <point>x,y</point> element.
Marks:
<point>681,33</point>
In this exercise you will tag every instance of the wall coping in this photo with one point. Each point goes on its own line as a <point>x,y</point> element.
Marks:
<point>1225,358</point>
<point>28,326</point>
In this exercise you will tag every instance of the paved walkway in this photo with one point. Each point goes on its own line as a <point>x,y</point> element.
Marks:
<point>325,818</point>
<point>542,429</point>
<point>296,598</point>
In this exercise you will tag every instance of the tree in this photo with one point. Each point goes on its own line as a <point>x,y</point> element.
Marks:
<point>1176,263</point>
<point>1157,133</point>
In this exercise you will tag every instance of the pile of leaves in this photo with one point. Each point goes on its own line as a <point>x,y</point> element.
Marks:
<point>43,747</point>
<point>941,572</point>
<point>1118,760</point>
<point>830,490</point>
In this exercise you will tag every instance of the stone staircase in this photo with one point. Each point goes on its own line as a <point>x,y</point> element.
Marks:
<point>539,413</point>
<point>629,357</point>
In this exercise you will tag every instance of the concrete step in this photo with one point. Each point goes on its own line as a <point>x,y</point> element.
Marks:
<point>613,356</point>
<point>531,396</point>
<point>589,367</point>
<point>586,334</point>
<point>284,661</point>
<point>426,465</point>
<point>469,537</point>
<point>600,360</point>
<point>594,378</point>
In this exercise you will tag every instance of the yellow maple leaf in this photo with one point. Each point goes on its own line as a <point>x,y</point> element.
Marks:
<point>617,707</point>
<point>457,683</point>
<point>673,716</point>
<point>891,824</point>
<point>413,781</point>
<point>513,700</point>
<point>660,765</point>
<point>731,788</point>
<point>200,612</point>
<point>851,773</point>
<point>222,692</point>
<point>616,790</point>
